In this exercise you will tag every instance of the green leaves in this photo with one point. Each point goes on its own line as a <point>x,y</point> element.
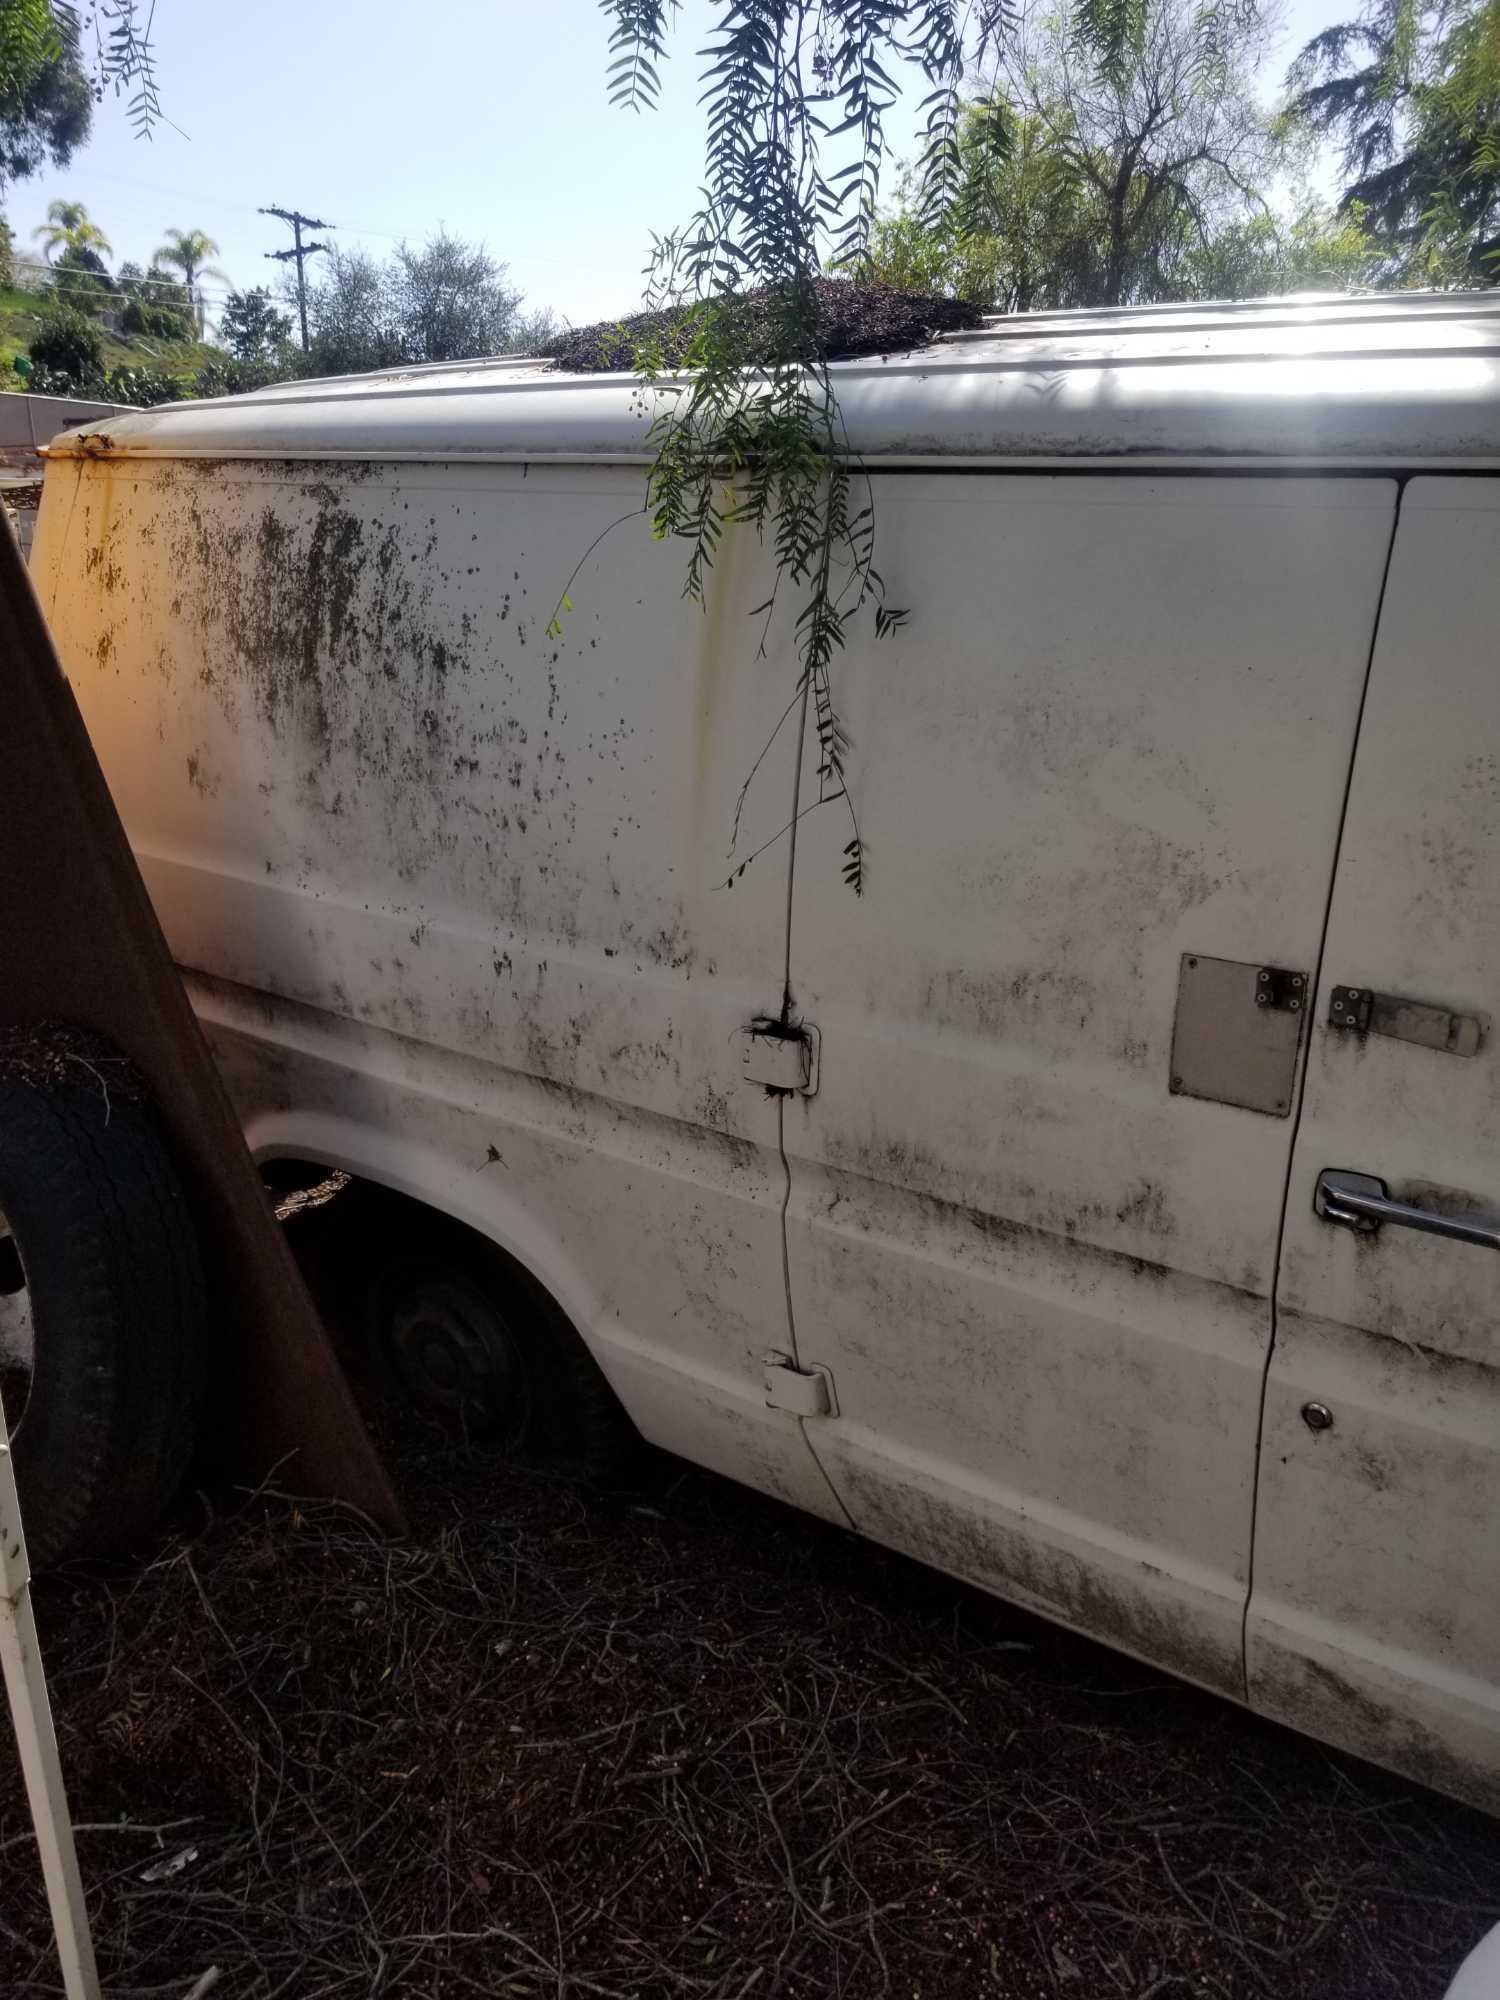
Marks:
<point>34,33</point>
<point>749,436</point>
<point>636,45</point>
<point>29,39</point>
<point>125,57</point>
<point>987,148</point>
<point>1413,95</point>
<point>796,95</point>
<point>1110,33</point>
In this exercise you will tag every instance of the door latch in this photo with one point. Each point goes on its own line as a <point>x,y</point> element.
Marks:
<point>804,1392</point>
<point>780,1056</point>
<point>1358,1011</point>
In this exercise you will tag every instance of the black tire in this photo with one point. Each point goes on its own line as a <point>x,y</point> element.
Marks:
<point>515,1371</point>
<point>110,1258</point>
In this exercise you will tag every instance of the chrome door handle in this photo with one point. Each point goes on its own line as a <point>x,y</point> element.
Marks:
<point>1359,1201</point>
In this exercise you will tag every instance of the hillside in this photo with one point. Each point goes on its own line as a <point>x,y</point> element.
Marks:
<point>22,315</point>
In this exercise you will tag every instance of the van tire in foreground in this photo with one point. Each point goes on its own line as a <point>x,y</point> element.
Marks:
<point>100,1235</point>
<point>469,1336</point>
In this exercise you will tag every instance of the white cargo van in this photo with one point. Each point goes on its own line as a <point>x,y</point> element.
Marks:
<point>1108,1214</point>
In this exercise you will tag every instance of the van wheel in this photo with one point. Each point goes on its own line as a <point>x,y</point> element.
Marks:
<point>471,1338</point>
<point>101,1297</point>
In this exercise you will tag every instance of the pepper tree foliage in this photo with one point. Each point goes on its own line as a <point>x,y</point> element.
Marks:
<point>45,112</point>
<point>1411,90</point>
<point>112,37</point>
<point>797,95</point>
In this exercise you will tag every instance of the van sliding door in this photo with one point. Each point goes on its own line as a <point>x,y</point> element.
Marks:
<point>1031,1235</point>
<point>1375,1619</point>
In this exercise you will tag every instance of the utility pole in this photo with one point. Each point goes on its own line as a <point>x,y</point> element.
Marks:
<point>297,254</point>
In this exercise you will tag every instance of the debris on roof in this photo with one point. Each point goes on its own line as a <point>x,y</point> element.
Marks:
<point>853,319</point>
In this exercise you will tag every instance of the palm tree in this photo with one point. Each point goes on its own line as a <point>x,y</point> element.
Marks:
<point>190,250</point>
<point>68,228</point>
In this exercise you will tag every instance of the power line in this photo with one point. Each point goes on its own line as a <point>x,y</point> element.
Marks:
<point>225,202</point>
<point>299,254</point>
<point>67,277</point>
<point>507,254</point>
<point>115,301</point>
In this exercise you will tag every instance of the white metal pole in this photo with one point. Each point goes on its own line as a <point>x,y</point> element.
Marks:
<point>31,1713</point>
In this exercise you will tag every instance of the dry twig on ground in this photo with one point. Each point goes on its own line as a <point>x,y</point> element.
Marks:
<point>675,1740</point>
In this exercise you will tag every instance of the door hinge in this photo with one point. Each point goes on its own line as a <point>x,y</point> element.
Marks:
<point>805,1392</point>
<point>779,1056</point>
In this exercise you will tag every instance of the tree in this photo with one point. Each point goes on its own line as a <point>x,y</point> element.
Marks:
<point>1159,150</point>
<point>450,300</point>
<point>81,279</point>
<point>447,301</point>
<point>48,116</point>
<point>530,330</point>
<point>1411,92</point>
<point>69,348</point>
<point>252,327</point>
<point>35,33</point>
<point>1033,230</point>
<point>189,251</point>
<point>1023,233</point>
<point>69,227</point>
<point>349,313</point>
<point>1313,249</point>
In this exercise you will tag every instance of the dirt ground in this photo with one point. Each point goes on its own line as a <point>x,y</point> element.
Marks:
<point>671,1739</point>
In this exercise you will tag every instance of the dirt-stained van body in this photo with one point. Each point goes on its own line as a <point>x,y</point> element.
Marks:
<point>1191,742</point>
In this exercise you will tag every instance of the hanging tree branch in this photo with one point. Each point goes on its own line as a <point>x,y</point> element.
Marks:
<point>34,33</point>
<point>747,429</point>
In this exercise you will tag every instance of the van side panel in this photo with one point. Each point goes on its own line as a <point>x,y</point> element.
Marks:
<point>1375,1619</point>
<point>1115,732</point>
<point>457,878</point>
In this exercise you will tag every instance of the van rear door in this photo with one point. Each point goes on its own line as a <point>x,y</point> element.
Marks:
<point>1104,762</point>
<point>1375,1617</point>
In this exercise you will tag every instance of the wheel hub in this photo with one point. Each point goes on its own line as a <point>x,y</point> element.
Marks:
<point>457,1356</point>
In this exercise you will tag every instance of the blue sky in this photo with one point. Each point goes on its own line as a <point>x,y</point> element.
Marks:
<point>487,116</point>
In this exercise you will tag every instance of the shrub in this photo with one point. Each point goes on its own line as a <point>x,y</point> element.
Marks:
<point>45,381</point>
<point>81,282</point>
<point>156,322</point>
<point>142,387</point>
<point>225,377</point>
<point>69,348</point>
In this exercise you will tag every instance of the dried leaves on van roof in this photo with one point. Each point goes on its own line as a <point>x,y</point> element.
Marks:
<point>853,319</point>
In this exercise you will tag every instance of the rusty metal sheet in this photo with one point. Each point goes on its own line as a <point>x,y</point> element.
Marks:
<point>1228,1044</point>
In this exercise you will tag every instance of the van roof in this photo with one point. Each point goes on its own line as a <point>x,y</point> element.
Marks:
<point>1368,380</point>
